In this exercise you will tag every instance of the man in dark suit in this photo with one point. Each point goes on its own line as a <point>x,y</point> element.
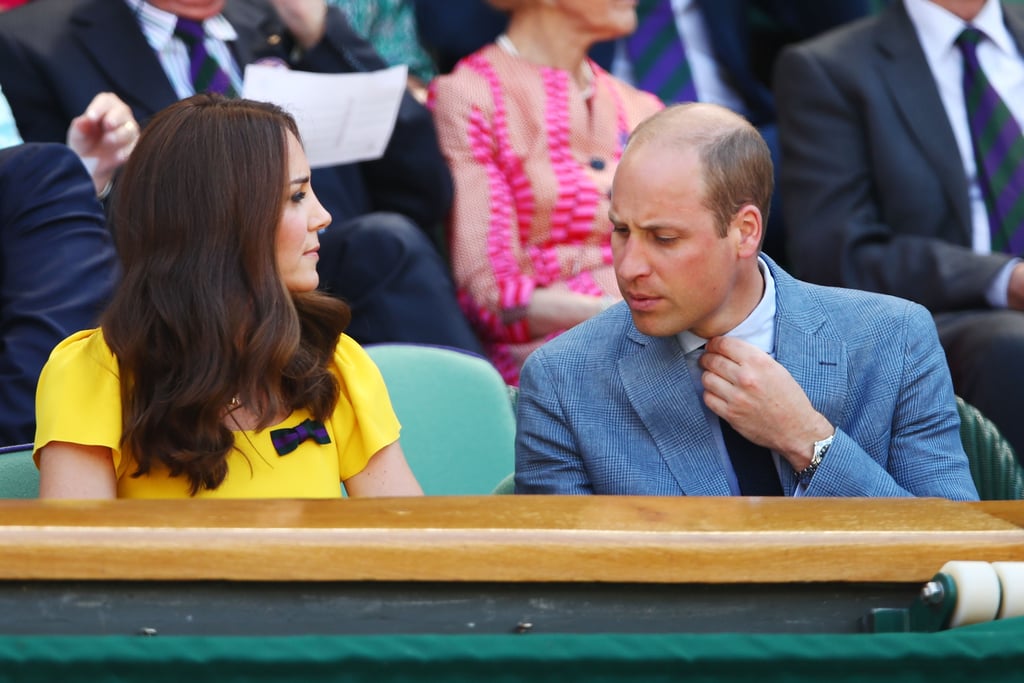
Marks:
<point>57,269</point>
<point>720,374</point>
<point>55,55</point>
<point>880,181</point>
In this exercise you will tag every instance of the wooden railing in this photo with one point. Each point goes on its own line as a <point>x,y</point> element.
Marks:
<point>505,539</point>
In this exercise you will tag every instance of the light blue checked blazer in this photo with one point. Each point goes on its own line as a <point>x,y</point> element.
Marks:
<point>606,409</point>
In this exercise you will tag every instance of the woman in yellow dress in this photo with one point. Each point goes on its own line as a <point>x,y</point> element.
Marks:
<point>218,370</point>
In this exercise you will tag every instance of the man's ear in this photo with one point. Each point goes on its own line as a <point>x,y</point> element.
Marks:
<point>749,223</point>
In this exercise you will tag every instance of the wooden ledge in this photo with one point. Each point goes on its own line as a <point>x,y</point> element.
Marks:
<point>505,538</point>
<point>1010,510</point>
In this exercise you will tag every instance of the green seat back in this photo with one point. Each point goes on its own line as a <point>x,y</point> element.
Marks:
<point>19,477</point>
<point>994,465</point>
<point>458,424</point>
<point>507,486</point>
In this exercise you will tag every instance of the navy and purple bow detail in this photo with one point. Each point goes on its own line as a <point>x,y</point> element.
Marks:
<point>288,439</point>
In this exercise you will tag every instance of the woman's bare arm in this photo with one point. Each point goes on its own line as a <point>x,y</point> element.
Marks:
<point>387,474</point>
<point>71,470</point>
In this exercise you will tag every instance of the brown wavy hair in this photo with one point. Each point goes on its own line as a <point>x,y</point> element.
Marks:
<point>202,315</point>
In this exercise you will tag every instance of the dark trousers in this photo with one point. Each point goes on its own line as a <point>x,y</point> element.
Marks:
<point>397,284</point>
<point>985,351</point>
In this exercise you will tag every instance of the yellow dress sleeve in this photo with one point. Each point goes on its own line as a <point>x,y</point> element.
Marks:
<point>364,420</point>
<point>78,398</point>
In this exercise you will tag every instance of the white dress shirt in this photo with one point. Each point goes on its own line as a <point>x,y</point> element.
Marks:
<point>757,329</point>
<point>158,28</point>
<point>9,135</point>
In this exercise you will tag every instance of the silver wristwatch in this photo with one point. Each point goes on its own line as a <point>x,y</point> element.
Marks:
<point>820,449</point>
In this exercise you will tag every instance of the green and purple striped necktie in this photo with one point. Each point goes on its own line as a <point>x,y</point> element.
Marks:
<point>657,54</point>
<point>206,73</point>
<point>998,150</point>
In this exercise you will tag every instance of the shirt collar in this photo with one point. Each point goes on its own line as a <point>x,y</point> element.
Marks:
<point>757,329</point>
<point>158,25</point>
<point>938,28</point>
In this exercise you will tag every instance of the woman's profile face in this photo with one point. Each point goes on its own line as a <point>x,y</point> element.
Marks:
<point>298,242</point>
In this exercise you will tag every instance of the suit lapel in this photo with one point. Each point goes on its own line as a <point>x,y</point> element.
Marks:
<point>817,362</point>
<point>905,71</point>
<point>1013,17</point>
<point>260,34</point>
<point>130,64</point>
<point>658,385</point>
<point>109,34</point>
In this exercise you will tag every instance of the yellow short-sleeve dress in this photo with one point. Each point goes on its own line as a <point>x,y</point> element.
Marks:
<point>78,400</point>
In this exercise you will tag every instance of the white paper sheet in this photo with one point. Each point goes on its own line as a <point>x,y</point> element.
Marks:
<point>342,117</point>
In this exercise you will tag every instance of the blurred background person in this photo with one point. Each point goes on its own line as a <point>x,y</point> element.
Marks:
<point>896,181</point>
<point>718,51</point>
<point>102,136</point>
<point>533,130</point>
<point>382,255</point>
<point>58,269</point>
<point>390,26</point>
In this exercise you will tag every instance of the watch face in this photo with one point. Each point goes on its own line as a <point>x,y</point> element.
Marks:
<point>819,449</point>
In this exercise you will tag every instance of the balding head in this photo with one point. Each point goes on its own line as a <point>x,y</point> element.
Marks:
<point>736,162</point>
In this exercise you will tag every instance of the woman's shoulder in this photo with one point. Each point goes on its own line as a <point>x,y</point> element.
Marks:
<point>471,81</point>
<point>80,368</point>
<point>86,347</point>
<point>350,357</point>
<point>361,380</point>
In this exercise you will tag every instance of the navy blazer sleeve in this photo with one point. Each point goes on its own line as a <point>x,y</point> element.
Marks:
<point>57,269</point>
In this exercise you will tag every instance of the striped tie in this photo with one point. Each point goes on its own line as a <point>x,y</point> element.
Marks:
<point>998,150</point>
<point>206,73</point>
<point>657,54</point>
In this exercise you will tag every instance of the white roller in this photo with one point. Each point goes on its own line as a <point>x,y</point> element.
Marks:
<point>1011,580</point>
<point>977,590</point>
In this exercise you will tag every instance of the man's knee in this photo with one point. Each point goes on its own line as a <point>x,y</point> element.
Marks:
<point>368,252</point>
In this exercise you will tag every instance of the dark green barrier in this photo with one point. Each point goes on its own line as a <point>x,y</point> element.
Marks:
<point>987,652</point>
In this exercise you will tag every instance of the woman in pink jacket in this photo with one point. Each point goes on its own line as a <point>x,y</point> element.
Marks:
<point>532,130</point>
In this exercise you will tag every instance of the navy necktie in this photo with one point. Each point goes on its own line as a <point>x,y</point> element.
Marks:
<point>754,465</point>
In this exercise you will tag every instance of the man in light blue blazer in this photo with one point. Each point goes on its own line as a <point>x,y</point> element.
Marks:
<point>720,374</point>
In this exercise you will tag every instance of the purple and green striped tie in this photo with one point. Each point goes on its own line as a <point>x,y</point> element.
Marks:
<point>206,73</point>
<point>657,54</point>
<point>998,150</point>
